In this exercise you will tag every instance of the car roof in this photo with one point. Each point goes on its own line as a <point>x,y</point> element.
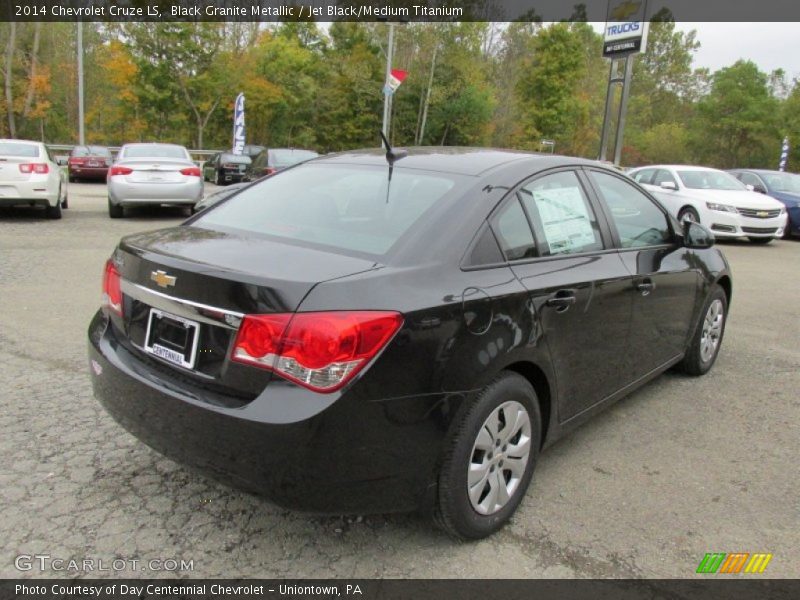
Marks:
<point>681,167</point>
<point>153,144</point>
<point>453,159</point>
<point>14,141</point>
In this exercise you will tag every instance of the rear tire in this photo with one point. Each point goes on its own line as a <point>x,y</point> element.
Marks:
<point>216,178</point>
<point>65,202</point>
<point>707,339</point>
<point>53,212</point>
<point>760,241</point>
<point>115,211</point>
<point>493,447</point>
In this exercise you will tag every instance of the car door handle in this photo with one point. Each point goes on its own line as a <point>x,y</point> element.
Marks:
<point>645,286</point>
<point>561,300</point>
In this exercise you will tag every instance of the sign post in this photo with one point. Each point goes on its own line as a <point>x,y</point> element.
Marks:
<point>625,35</point>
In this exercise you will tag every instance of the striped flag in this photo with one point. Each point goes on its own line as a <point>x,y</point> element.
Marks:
<point>784,154</point>
<point>238,125</point>
<point>395,79</point>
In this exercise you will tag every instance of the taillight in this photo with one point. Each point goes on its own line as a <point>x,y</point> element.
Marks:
<point>117,170</point>
<point>269,170</point>
<point>40,168</point>
<point>191,171</point>
<point>112,292</point>
<point>318,350</point>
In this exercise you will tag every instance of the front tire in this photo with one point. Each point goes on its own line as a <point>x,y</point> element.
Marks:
<point>707,338</point>
<point>115,211</point>
<point>688,214</point>
<point>490,458</point>
<point>761,241</point>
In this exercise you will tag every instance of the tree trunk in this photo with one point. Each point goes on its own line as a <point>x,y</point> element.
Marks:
<point>427,98</point>
<point>10,49</point>
<point>32,73</point>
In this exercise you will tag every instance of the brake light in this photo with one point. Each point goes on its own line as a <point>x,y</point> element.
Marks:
<point>118,170</point>
<point>269,170</point>
<point>191,171</point>
<point>112,292</point>
<point>40,168</point>
<point>321,351</point>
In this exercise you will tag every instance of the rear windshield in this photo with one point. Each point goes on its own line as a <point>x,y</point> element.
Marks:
<point>235,158</point>
<point>90,151</point>
<point>13,149</point>
<point>710,180</point>
<point>287,158</point>
<point>155,151</point>
<point>343,207</point>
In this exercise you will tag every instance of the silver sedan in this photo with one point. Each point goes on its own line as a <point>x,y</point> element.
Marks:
<point>146,174</point>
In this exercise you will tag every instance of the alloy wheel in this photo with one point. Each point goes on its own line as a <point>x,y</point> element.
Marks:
<point>712,330</point>
<point>499,457</point>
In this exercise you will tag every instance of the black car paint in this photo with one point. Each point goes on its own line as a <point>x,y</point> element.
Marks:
<point>376,444</point>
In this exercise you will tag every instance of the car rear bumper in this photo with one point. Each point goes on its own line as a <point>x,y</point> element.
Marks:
<point>730,225</point>
<point>131,194</point>
<point>89,172</point>
<point>324,453</point>
<point>13,193</point>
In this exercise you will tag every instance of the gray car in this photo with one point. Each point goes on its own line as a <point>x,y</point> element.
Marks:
<point>147,174</point>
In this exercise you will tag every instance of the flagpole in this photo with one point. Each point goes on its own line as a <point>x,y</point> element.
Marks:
<point>387,97</point>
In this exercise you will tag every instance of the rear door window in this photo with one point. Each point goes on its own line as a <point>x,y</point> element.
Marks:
<point>514,232</point>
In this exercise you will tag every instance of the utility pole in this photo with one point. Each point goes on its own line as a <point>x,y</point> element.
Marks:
<point>81,131</point>
<point>623,108</point>
<point>387,98</point>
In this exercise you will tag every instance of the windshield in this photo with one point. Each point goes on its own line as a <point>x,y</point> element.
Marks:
<point>155,151</point>
<point>710,180</point>
<point>343,207</point>
<point>14,149</point>
<point>783,182</point>
<point>287,158</point>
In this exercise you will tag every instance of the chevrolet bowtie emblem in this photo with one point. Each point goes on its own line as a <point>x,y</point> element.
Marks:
<point>624,10</point>
<point>762,213</point>
<point>162,279</point>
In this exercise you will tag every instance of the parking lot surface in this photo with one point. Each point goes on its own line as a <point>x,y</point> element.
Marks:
<point>682,467</point>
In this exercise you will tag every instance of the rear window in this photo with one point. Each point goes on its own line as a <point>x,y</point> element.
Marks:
<point>90,151</point>
<point>344,207</point>
<point>287,158</point>
<point>235,158</point>
<point>155,151</point>
<point>14,149</point>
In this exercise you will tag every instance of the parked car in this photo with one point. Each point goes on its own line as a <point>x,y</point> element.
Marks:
<point>274,159</point>
<point>225,168</point>
<point>30,176</point>
<point>716,199</point>
<point>218,195</point>
<point>89,162</point>
<point>784,187</point>
<point>253,150</point>
<point>346,337</point>
<point>161,174</point>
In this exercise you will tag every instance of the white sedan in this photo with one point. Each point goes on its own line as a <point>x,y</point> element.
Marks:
<point>153,174</point>
<point>30,176</point>
<point>716,199</point>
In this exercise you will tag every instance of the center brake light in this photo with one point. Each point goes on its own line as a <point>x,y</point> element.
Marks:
<point>112,292</point>
<point>321,351</point>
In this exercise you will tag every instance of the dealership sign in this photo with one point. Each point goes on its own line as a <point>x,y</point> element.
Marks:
<point>626,28</point>
<point>238,125</point>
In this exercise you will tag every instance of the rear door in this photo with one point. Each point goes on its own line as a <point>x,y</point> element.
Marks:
<point>665,282</point>
<point>560,248</point>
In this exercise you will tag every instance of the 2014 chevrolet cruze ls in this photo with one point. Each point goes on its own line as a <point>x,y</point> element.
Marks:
<point>364,333</point>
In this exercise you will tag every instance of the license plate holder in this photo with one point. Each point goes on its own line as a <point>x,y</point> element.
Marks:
<point>172,338</point>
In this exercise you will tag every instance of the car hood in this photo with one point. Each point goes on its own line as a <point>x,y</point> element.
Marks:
<point>737,198</point>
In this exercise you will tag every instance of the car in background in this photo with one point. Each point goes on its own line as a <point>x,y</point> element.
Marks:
<point>225,168</point>
<point>307,338</point>
<point>274,159</point>
<point>253,150</point>
<point>218,196</point>
<point>153,174</point>
<point>30,176</point>
<point>89,162</point>
<point>716,199</point>
<point>784,187</point>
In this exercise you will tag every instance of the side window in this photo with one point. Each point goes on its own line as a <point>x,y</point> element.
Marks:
<point>644,176</point>
<point>663,175</point>
<point>513,232</point>
<point>749,179</point>
<point>639,221</point>
<point>485,250</point>
<point>561,214</point>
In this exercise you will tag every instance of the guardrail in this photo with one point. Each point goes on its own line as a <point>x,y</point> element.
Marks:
<point>199,156</point>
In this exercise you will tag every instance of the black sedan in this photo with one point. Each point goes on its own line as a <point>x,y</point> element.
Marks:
<point>225,168</point>
<point>363,333</point>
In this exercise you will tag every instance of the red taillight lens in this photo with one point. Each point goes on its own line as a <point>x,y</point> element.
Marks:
<point>112,292</point>
<point>117,170</point>
<point>41,168</point>
<point>269,170</point>
<point>319,350</point>
<point>191,171</point>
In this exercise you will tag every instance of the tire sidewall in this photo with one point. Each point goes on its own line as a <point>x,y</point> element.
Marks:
<point>717,293</point>
<point>454,500</point>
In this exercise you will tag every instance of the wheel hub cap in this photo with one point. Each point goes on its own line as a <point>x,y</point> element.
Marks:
<point>712,330</point>
<point>499,457</point>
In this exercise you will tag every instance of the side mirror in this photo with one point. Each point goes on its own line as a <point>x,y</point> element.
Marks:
<point>62,161</point>
<point>669,185</point>
<point>749,187</point>
<point>697,236</point>
<point>759,188</point>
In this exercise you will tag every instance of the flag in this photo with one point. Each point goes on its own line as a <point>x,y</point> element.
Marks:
<point>784,154</point>
<point>396,77</point>
<point>238,125</point>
